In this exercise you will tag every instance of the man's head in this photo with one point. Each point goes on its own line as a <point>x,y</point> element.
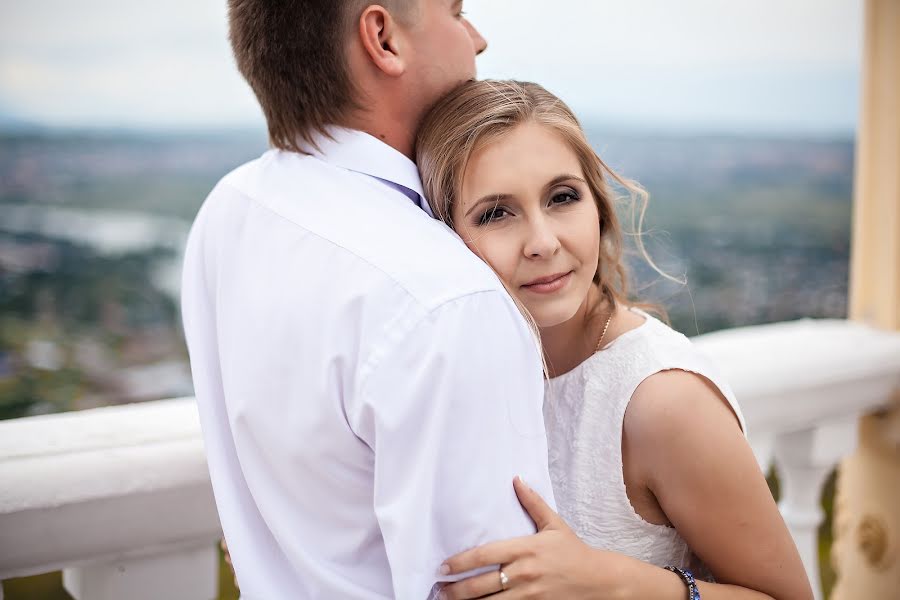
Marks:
<point>315,63</point>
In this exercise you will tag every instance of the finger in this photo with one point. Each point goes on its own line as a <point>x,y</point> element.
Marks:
<point>540,512</point>
<point>493,553</point>
<point>485,584</point>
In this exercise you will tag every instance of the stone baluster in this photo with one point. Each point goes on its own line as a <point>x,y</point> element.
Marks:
<point>176,574</point>
<point>804,459</point>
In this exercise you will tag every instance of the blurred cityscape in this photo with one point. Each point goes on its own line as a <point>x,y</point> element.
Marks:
<point>93,226</point>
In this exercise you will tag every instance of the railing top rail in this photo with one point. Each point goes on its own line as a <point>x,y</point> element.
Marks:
<point>115,480</point>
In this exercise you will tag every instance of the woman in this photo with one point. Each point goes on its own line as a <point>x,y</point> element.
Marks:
<point>648,457</point>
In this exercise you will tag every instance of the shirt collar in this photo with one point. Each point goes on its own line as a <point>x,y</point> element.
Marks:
<point>360,152</point>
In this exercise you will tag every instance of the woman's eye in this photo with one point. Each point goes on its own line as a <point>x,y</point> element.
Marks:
<point>494,214</point>
<point>564,197</point>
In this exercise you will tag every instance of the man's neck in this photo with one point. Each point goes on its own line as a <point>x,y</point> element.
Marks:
<point>394,135</point>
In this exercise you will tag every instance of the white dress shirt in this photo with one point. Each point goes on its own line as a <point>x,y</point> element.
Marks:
<point>367,390</point>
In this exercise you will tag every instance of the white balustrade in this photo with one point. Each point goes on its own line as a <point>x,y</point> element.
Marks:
<point>802,387</point>
<point>119,497</point>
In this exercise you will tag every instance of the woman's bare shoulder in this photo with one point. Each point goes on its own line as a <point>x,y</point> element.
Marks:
<point>669,403</point>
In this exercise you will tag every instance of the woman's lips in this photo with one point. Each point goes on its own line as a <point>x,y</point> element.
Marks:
<point>548,285</point>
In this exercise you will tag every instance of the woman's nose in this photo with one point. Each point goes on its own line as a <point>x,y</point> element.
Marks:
<point>542,240</point>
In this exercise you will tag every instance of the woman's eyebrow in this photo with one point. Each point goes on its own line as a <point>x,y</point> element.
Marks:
<point>494,198</point>
<point>564,177</point>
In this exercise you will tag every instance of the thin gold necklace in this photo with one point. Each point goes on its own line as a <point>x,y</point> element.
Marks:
<point>603,335</point>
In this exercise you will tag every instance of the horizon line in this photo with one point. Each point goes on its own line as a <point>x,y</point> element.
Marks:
<point>624,127</point>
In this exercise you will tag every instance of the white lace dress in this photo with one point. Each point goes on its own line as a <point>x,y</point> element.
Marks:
<point>584,411</point>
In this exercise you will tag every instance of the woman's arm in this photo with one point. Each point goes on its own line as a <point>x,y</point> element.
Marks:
<point>682,434</point>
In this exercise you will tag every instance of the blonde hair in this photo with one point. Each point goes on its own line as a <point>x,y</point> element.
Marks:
<point>480,112</point>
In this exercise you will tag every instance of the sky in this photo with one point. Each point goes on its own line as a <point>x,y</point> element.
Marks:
<point>742,66</point>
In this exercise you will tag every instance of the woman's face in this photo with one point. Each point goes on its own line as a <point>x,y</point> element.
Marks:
<point>526,210</point>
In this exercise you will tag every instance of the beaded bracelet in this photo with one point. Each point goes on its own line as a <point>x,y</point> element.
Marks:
<point>688,579</point>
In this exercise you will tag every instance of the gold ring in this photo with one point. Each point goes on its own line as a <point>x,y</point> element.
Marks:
<point>504,580</point>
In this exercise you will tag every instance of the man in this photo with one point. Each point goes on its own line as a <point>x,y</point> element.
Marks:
<point>366,388</point>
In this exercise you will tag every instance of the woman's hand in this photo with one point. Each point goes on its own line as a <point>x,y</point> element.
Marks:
<point>553,563</point>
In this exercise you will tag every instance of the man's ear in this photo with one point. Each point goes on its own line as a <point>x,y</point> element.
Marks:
<point>381,39</point>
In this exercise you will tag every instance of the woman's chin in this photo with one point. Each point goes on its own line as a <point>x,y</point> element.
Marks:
<point>548,317</point>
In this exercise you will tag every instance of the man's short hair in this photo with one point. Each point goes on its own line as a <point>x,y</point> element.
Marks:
<point>293,55</point>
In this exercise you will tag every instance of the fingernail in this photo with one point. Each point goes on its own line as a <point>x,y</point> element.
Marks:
<point>445,569</point>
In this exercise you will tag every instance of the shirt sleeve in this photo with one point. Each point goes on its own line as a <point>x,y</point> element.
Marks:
<point>456,414</point>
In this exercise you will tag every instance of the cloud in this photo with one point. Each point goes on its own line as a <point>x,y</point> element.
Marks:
<point>164,63</point>
<point>738,63</point>
<point>660,33</point>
